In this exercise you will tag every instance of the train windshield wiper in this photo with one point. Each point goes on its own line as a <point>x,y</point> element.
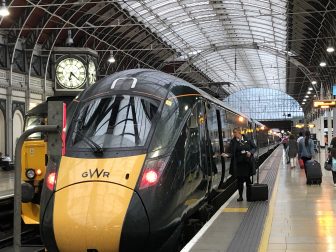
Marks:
<point>95,147</point>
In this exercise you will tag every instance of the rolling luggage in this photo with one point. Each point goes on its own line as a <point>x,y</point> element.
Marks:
<point>256,192</point>
<point>313,172</point>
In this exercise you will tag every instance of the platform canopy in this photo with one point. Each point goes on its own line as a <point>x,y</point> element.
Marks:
<point>221,46</point>
<point>236,41</point>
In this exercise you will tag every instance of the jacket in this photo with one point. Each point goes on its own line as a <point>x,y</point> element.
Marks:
<point>306,151</point>
<point>240,164</point>
<point>292,148</point>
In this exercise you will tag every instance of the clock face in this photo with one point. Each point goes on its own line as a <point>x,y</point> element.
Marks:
<point>92,72</point>
<point>71,73</point>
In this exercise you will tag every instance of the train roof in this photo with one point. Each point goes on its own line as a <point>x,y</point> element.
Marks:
<point>42,108</point>
<point>146,81</point>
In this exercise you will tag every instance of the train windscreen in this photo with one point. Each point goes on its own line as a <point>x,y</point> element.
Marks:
<point>112,122</point>
<point>32,121</point>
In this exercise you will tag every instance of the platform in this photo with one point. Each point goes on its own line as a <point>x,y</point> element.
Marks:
<point>6,184</point>
<point>297,217</point>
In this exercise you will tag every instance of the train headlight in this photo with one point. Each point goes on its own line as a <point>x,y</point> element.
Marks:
<point>38,172</point>
<point>30,173</point>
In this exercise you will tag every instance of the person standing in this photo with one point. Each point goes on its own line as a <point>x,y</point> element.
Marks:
<point>332,158</point>
<point>292,150</point>
<point>241,152</point>
<point>306,148</point>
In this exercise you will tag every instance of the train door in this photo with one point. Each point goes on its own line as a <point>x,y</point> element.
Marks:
<point>214,147</point>
<point>196,179</point>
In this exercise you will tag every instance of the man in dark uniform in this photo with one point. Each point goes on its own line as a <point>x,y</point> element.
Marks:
<point>242,161</point>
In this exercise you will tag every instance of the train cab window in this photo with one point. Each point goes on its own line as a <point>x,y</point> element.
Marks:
<point>113,122</point>
<point>32,121</point>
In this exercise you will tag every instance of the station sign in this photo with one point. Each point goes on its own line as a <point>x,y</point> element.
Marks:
<point>324,103</point>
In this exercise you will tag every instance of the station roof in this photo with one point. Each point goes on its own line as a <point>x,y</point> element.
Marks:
<point>222,46</point>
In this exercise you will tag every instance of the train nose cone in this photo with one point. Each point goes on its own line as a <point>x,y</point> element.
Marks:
<point>90,215</point>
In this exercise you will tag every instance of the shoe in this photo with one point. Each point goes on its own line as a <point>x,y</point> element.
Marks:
<point>288,162</point>
<point>240,199</point>
<point>334,185</point>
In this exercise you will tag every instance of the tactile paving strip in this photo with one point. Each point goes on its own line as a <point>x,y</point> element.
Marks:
<point>248,235</point>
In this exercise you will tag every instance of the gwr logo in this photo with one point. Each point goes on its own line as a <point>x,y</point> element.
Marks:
<point>95,173</point>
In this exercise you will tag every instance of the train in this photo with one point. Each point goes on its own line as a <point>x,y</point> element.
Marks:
<point>142,156</point>
<point>34,160</point>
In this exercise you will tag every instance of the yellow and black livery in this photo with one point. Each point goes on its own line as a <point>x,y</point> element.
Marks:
<point>142,156</point>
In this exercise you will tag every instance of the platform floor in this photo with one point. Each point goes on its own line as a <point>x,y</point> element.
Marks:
<point>297,217</point>
<point>6,184</point>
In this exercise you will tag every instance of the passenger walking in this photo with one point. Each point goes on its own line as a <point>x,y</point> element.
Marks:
<point>241,166</point>
<point>300,137</point>
<point>285,145</point>
<point>292,150</point>
<point>306,148</point>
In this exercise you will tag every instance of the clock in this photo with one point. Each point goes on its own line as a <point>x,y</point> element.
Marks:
<point>92,72</point>
<point>71,73</point>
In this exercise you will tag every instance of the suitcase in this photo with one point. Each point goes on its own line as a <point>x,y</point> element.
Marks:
<point>313,172</point>
<point>257,192</point>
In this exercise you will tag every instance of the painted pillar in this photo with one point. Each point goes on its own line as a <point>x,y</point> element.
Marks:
<point>9,123</point>
<point>320,136</point>
<point>329,127</point>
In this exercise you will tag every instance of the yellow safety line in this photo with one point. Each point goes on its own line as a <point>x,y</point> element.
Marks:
<point>235,210</point>
<point>263,246</point>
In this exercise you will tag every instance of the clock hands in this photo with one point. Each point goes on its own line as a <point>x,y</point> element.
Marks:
<point>72,74</point>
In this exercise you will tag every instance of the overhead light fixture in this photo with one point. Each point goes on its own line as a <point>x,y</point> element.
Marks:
<point>323,63</point>
<point>304,100</point>
<point>314,82</point>
<point>310,88</point>
<point>308,92</point>
<point>307,96</point>
<point>69,41</point>
<point>303,103</point>
<point>4,10</point>
<point>330,47</point>
<point>111,59</point>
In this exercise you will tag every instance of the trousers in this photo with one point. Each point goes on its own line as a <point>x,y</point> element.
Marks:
<point>240,181</point>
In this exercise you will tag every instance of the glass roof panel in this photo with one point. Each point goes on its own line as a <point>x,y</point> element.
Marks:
<point>255,102</point>
<point>257,28</point>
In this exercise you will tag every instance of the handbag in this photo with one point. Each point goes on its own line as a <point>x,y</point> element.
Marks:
<point>327,166</point>
<point>301,163</point>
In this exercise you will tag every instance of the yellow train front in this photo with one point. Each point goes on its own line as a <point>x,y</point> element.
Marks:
<point>140,160</point>
<point>33,161</point>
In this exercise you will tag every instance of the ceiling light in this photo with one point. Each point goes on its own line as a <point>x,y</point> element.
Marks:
<point>303,103</point>
<point>310,88</point>
<point>304,100</point>
<point>111,59</point>
<point>307,96</point>
<point>69,41</point>
<point>323,63</point>
<point>314,82</point>
<point>308,92</point>
<point>4,10</point>
<point>330,49</point>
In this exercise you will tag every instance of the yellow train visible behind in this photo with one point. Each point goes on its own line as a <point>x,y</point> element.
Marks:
<point>34,160</point>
